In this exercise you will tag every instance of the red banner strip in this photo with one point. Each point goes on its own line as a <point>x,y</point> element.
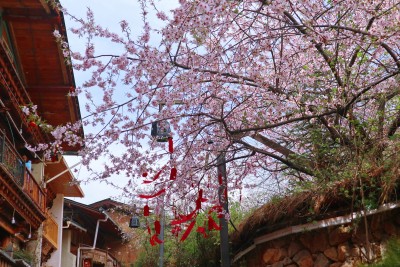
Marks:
<point>173,173</point>
<point>184,218</point>
<point>146,211</point>
<point>162,191</point>
<point>170,145</point>
<point>157,227</point>
<point>188,230</point>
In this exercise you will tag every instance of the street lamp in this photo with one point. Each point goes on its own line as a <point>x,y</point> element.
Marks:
<point>223,200</point>
<point>134,222</point>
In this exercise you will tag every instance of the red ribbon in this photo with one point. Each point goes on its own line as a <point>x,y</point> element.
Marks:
<point>188,230</point>
<point>155,177</point>
<point>216,208</point>
<point>200,199</point>
<point>198,204</point>
<point>184,218</point>
<point>157,227</point>
<point>175,230</point>
<point>162,191</point>
<point>212,225</point>
<point>155,240</point>
<point>152,242</point>
<point>146,211</point>
<point>173,174</point>
<point>202,231</point>
<point>220,179</point>
<point>170,145</point>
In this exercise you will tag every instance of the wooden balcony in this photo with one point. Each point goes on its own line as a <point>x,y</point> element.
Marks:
<point>50,231</point>
<point>33,189</point>
<point>12,163</point>
<point>101,256</point>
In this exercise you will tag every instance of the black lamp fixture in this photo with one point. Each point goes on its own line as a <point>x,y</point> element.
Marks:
<point>161,130</point>
<point>134,222</point>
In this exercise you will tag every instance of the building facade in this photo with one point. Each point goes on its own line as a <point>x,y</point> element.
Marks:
<point>33,72</point>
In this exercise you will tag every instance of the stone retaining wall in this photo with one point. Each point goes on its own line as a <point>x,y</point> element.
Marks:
<point>335,246</point>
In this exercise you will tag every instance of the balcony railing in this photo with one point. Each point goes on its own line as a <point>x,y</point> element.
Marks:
<point>33,189</point>
<point>11,161</point>
<point>50,231</point>
<point>101,256</point>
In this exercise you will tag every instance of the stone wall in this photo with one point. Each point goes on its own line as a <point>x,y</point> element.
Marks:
<point>334,246</point>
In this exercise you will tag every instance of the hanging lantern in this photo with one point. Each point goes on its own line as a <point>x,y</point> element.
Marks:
<point>161,130</point>
<point>134,222</point>
<point>87,263</point>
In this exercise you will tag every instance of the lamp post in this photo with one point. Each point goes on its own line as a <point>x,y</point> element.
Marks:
<point>223,201</point>
<point>161,131</point>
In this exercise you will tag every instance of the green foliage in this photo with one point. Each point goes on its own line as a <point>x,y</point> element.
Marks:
<point>196,250</point>
<point>391,257</point>
<point>23,255</point>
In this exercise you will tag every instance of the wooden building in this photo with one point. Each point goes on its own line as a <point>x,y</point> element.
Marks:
<point>32,72</point>
<point>97,235</point>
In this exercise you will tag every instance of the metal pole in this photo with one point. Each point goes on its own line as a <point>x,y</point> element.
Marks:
<point>223,200</point>
<point>161,237</point>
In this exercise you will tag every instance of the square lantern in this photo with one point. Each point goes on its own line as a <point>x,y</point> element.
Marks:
<point>161,130</point>
<point>134,222</point>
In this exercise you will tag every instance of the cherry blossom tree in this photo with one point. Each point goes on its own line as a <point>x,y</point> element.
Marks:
<point>293,91</point>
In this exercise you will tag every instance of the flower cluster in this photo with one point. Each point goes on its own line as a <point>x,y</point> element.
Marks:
<point>33,119</point>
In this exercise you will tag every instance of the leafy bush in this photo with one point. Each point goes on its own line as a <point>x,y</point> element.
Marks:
<point>391,257</point>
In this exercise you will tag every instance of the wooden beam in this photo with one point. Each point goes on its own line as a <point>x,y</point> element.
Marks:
<point>33,19</point>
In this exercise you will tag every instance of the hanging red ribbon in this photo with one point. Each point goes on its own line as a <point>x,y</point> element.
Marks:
<point>212,225</point>
<point>155,177</point>
<point>170,145</point>
<point>188,230</point>
<point>175,230</point>
<point>202,231</point>
<point>184,218</point>
<point>198,204</point>
<point>200,199</point>
<point>173,174</point>
<point>220,179</point>
<point>157,227</point>
<point>162,191</point>
<point>152,242</point>
<point>146,211</point>
<point>156,240</point>
<point>216,208</point>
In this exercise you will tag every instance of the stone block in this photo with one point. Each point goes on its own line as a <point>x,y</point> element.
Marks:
<point>306,240</point>
<point>293,248</point>
<point>273,255</point>
<point>321,261</point>
<point>343,251</point>
<point>303,258</point>
<point>286,261</point>
<point>319,242</point>
<point>339,235</point>
<point>331,253</point>
<point>278,264</point>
